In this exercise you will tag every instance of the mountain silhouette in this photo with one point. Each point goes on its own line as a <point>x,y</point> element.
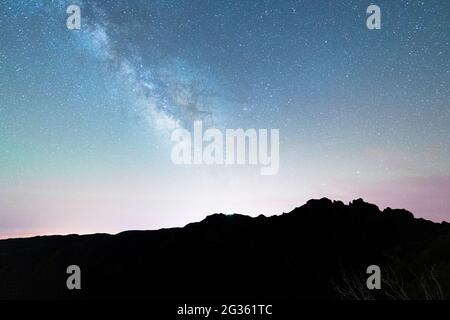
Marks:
<point>320,250</point>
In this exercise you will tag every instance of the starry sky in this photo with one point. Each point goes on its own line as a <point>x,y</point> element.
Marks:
<point>86,115</point>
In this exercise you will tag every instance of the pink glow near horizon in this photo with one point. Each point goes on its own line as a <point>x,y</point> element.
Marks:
<point>425,197</point>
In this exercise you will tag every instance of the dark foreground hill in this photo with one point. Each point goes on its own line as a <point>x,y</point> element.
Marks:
<point>318,251</point>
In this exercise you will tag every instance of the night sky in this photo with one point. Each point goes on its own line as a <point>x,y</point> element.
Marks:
<point>86,115</point>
